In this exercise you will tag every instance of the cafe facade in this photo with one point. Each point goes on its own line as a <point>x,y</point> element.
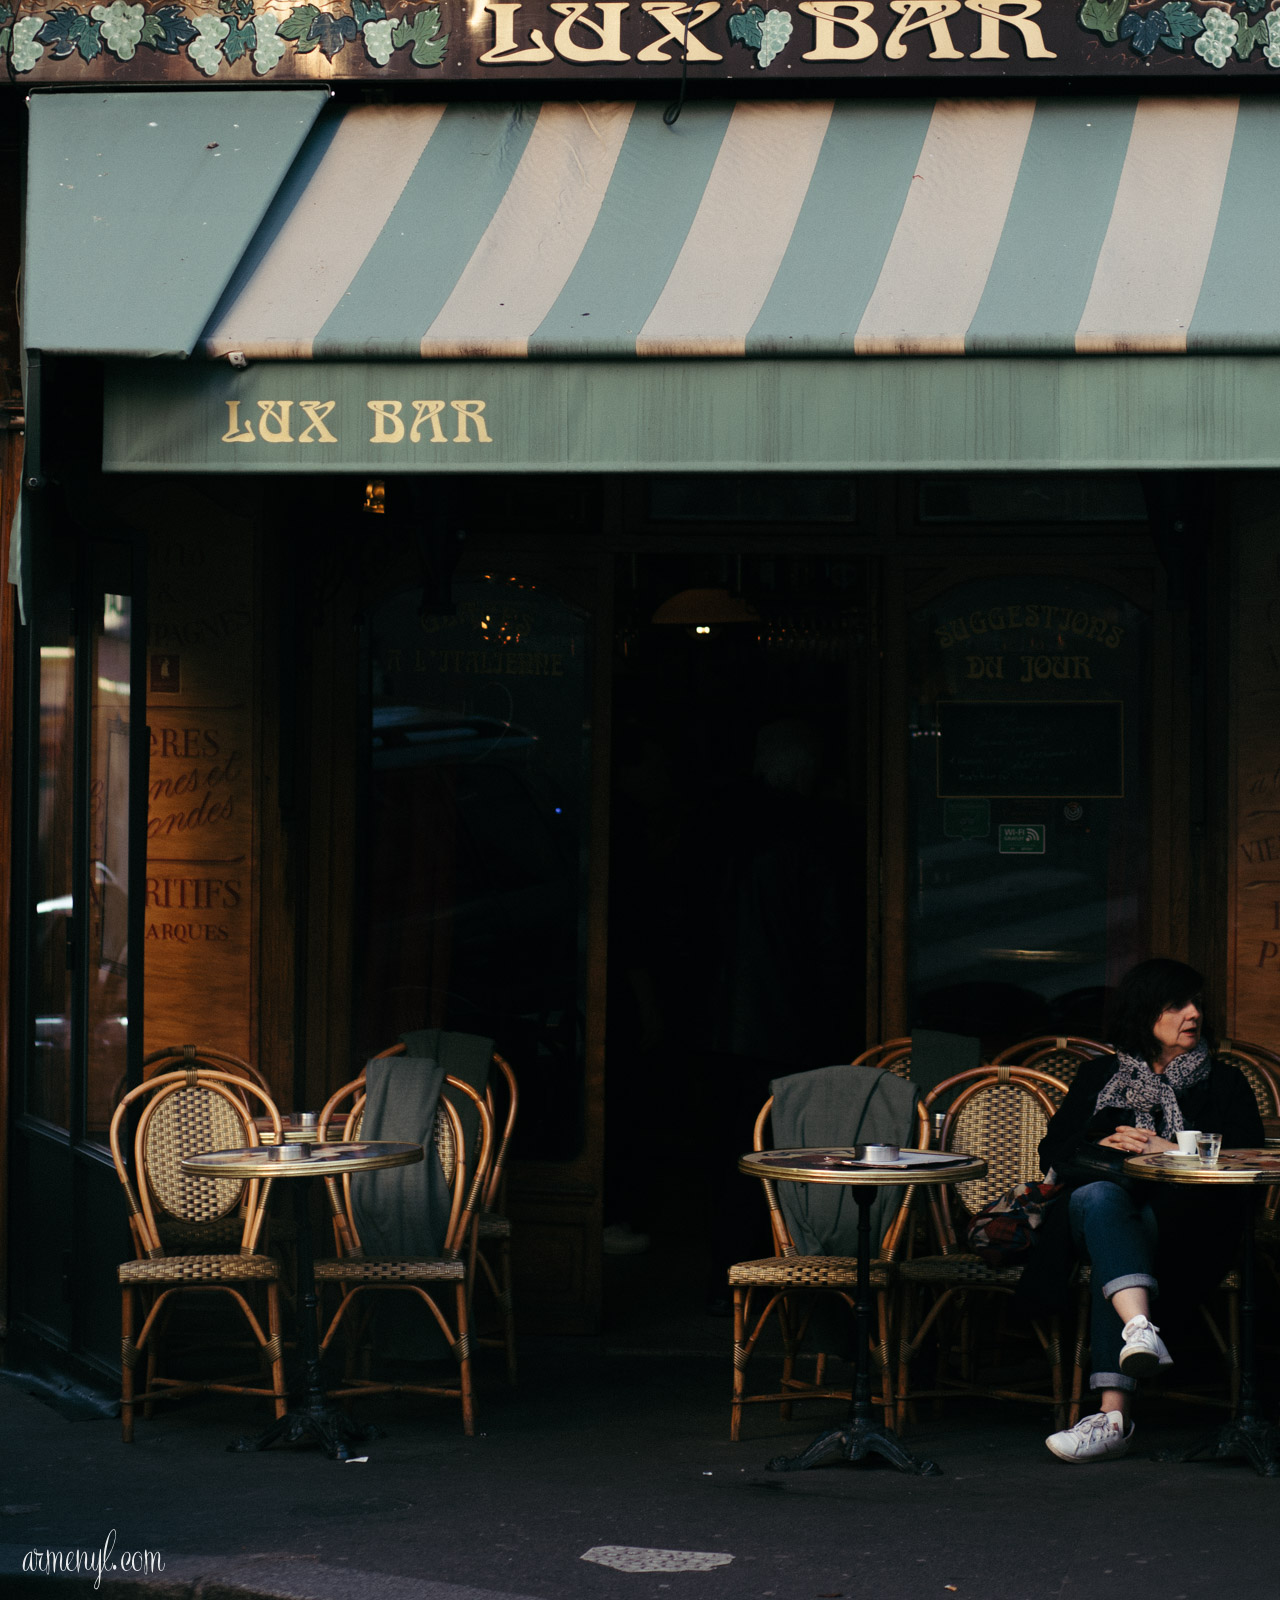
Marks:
<point>687,539</point>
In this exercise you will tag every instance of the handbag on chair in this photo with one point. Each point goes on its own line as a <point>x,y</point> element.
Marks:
<point>1003,1232</point>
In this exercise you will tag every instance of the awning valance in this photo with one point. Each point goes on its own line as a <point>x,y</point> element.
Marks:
<point>767,415</point>
<point>1015,226</point>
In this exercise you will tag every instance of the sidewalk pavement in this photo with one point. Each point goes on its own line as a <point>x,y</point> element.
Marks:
<point>597,1449</point>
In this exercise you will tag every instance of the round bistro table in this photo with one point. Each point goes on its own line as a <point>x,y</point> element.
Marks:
<point>860,1435</point>
<point>1248,1433</point>
<point>313,1416</point>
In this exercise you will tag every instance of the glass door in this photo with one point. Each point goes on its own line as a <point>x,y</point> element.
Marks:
<point>81,804</point>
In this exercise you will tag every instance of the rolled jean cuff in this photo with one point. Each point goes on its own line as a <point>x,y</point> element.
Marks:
<point>1112,1380</point>
<point>1129,1280</point>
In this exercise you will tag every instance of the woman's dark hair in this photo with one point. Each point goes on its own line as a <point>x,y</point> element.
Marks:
<point>1141,995</point>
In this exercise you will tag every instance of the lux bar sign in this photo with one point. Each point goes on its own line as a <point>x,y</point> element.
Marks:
<point>392,422</point>
<point>578,41</point>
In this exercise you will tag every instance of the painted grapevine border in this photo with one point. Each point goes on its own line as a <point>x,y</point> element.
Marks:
<point>234,31</point>
<point>1216,29</point>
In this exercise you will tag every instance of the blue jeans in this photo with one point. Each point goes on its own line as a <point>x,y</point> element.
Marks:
<point>1117,1235</point>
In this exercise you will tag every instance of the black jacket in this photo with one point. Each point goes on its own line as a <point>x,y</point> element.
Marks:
<point>1199,1231</point>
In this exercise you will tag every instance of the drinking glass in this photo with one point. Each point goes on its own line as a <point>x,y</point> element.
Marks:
<point>1208,1147</point>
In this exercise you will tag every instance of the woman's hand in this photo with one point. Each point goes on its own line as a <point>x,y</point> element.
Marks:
<point>1136,1142</point>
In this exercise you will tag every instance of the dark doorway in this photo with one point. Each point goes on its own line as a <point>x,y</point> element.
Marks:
<point>737,883</point>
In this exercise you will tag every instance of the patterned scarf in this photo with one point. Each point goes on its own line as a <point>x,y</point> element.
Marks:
<point>1139,1088</point>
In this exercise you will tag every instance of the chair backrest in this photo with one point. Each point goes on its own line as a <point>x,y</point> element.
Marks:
<point>894,1055</point>
<point>1060,1055</point>
<point>495,1190</point>
<point>1263,1052</point>
<point>999,1113</point>
<point>467,1181</point>
<point>494,1194</point>
<point>1260,1067</point>
<point>783,1243</point>
<point>177,1057</point>
<point>183,1114</point>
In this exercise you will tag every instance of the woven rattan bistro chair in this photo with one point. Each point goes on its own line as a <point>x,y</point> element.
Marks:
<point>787,1273</point>
<point>894,1055</point>
<point>1060,1055</point>
<point>493,1228</point>
<point>181,1114</point>
<point>999,1113</point>
<point>429,1278</point>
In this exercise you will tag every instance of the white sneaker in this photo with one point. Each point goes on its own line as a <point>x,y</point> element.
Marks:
<point>1100,1437</point>
<point>1144,1350</point>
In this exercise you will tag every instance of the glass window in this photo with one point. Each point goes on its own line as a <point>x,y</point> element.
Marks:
<point>1042,497</point>
<point>766,497</point>
<point>49,1072</point>
<point>1029,875</point>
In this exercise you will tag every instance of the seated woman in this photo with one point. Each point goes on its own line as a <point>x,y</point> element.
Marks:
<point>1142,1239</point>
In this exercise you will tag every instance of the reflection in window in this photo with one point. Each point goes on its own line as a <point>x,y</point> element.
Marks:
<point>1042,497</point>
<point>109,861</point>
<point>49,1071</point>
<point>1028,805</point>
<point>763,497</point>
<point>474,870</point>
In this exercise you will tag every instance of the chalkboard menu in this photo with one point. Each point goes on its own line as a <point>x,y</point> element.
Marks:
<point>1031,749</point>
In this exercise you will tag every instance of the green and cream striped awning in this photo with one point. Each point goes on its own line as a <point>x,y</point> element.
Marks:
<point>1104,268</point>
<point>767,229</point>
<point>267,223</point>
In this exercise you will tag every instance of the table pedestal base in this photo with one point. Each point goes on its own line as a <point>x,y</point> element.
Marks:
<point>313,1418</point>
<point>321,1424</point>
<point>1249,1436</point>
<point>861,1435</point>
<point>855,1441</point>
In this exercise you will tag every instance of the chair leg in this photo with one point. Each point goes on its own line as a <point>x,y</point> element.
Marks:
<point>903,1375</point>
<point>741,1309</point>
<point>884,1315</point>
<point>1078,1360</point>
<point>129,1355</point>
<point>966,1342</point>
<point>153,1363</point>
<point>1054,1353</point>
<point>276,1348</point>
<point>789,1342</point>
<point>463,1352</point>
<point>508,1311</point>
<point>1233,1336</point>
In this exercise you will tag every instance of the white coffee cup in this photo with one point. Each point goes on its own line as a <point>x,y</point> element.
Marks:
<point>1187,1141</point>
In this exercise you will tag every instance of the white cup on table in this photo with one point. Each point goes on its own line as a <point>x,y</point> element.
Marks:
<point>1187,1141</point>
